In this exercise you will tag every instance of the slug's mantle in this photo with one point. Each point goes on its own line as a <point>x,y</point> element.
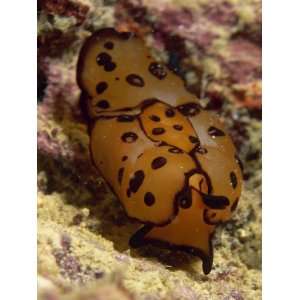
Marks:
<point>171,164</point>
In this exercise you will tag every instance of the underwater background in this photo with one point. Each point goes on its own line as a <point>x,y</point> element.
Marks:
<point>83,232</point>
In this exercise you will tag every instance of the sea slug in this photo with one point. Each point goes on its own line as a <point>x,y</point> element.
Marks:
<point>171,164</point>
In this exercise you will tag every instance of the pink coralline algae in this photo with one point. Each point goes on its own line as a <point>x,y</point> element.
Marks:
<point>59,108</point>
<point>206,27</point>
<point>244,64</point>
<point>65,8</point>
<point>222,14</point>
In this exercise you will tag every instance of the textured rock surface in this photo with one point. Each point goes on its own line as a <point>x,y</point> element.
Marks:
<point>82,230</point>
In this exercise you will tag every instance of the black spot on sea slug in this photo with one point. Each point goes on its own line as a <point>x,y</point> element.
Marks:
<point>170,113</point>
<point>157,70</point>
<point>125,157</point>
<point>175,150</point>
<point>213,132</point>
<point>215,202</point>
<point>177,127</point>
<point>104,59</point>
<point>154,118</point>
<point>158,131</point>
<point>120,175</point>
<point>135,80</point>
<point>129,137</point>
<point>101,87</point>
<point>184,199</point>
<point>158,162</point>
<point>103,104</point>
<point>201,150</point>
<point>136,181</point>
<point>110,67</point>
<point>149,199</point>
<point>193,139</point>
<point>189,109</point>
<point>109,45</point>
<point>125,118</point>
<point>233,179</point>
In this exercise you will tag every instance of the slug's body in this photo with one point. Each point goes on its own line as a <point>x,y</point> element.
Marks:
<point>170,163</point>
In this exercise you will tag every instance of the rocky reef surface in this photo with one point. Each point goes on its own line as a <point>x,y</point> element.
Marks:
<point>83,232</point>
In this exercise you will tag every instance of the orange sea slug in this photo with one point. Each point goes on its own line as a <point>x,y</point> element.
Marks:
<point>171,163</point>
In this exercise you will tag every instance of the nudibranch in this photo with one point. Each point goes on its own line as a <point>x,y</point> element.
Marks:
<point>170,163</point>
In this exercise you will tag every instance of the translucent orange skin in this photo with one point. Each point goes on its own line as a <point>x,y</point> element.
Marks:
<point>171,164</point>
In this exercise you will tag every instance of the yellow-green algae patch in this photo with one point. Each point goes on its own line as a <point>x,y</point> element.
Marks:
<point>142,273</point>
